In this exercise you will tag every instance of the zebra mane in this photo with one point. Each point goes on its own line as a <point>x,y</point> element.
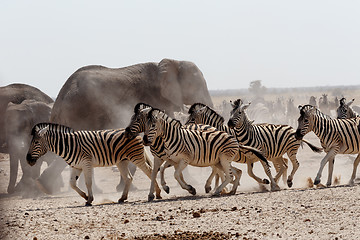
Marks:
<point>306,107</point>
<point>212,111</point>
<point>141,106</point>
<point>52,127</point>
<point>165,116</point>
<point>237,103</point>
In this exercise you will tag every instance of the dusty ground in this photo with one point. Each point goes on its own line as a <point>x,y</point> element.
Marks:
<point>297,213</point>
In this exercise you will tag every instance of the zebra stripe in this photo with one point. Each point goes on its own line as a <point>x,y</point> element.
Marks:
<point>344,111</point>
<point>84,150</point>
<point>202,114</point>
<point>337,136</point>
<point>271,139</point>
<point>194,147</point>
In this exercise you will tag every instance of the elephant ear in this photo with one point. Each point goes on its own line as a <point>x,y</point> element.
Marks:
<point>168,79</point>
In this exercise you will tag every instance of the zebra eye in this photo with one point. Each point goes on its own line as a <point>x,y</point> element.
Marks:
<point>306,120</point>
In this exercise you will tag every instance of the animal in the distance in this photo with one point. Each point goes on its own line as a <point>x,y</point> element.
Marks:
<point>202,114</point>
<point>201,148</point>
<point>84,150</point>
<point>17,93</point>
<point>337,136</point>
<point>271,139</point>
<point>345,110</point>
<point>312,101</point>
<point>139,123</point>
<point>19,120</point>
<point>97,97</point>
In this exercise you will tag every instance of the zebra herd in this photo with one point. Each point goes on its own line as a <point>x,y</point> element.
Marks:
<point>203,141</point>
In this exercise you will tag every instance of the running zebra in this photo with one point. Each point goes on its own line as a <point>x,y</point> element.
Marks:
<point>337,136</point>
<point>195,147</point>
<point>202,114</point>
<point>139,124</point>
<point>344,111</point>
<point>271,139</point>
<point>84,150</point>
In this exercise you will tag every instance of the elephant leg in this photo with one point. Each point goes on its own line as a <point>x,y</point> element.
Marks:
<point>50,181</point>
<point>14,165</point>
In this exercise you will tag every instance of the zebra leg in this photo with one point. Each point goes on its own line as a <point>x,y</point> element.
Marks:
<point>237,173</point>
<point>328,156</point>
<point>356,163</point>
<point>75,173</point>
<point>88,174</point>
<point>330,173</point>
<point>226,166</point>
<point>250,172</point>
<point>274,185</point>
<point>281,169</point>
<point>124,171</point>
<point>162,176</point>
<point>295,165</point>
<point>214,172</point>
<point>148,171</point>
<point>157,164</point>
<point>178,173</point>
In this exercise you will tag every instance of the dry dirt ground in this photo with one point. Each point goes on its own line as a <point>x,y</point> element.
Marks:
<point>301,212</point>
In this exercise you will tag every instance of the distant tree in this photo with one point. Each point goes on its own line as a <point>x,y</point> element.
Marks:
<point>256,88</point>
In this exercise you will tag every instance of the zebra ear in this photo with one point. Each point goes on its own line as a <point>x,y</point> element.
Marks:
<point>145,110</point>
<point>349,103</point>
<point>246,106</point>
<point>300,107</point>
<point>42,131</point>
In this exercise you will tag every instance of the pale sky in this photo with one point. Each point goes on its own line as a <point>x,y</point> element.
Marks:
<point>283,43</point>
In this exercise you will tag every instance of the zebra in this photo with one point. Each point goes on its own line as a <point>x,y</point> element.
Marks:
<point>138,124</point>
<point>271,139</point>
<point>337,136</point>
<point>345,111</point>
<point>201,148</point>
<point>200,113</point>
<point>84,150</point>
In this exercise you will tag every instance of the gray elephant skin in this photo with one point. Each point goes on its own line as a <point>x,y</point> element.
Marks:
<point>16,93</point>
<point>97,97</point>
<point>19,120</point>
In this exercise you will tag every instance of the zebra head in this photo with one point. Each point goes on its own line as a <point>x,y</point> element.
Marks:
<point>237,115</point>
<point>305,121</point>
<point>153,125</point>
<point>344,110</point>
<point>196,111</point>
<point>39,144</point>
<point>138,120</point>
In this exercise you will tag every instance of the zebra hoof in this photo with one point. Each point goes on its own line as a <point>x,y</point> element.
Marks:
<point>265,181</point>
<point>150,198</point>
<point>166,189</point>
<point>317,181</point>
<point>192,190</point>
<point>289,183</point>
<point>88,204</point>
<point>207,189</point>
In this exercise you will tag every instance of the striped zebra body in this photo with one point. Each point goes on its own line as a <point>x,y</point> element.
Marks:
<point>84,150</point>
<point>337,136</point>
<point>195,147</point>
<point>201,114</point>
<point>271,139</point>
<point>344,111</point>
<point>158,149</point>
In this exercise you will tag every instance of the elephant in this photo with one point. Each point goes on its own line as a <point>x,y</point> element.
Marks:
<point>97,97</point>
<point>19,120</point>
<point>16,93</point>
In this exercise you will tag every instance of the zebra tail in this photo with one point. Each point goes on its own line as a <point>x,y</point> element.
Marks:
<point>257,153</point>
<point>313,147</point>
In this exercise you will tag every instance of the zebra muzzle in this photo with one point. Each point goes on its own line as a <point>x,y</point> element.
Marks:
<point>146,141</point>
<point>31,161</point>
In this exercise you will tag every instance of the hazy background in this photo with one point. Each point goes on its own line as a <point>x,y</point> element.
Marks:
<point>283,43</point>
